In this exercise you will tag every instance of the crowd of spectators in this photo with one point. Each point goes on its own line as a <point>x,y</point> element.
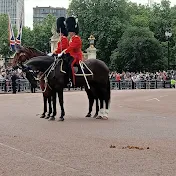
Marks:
<point>143,76</point>
<point>6,74</point>
<point>11,80</point>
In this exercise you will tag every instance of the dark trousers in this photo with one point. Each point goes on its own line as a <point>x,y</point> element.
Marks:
<point>14,88</point>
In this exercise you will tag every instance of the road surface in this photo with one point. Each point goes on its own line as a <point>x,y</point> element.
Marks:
<point>139,138</point>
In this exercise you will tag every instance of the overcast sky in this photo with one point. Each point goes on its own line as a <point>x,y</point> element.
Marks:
<point>29,4</point>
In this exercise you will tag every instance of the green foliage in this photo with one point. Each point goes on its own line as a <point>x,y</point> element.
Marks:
<point>42,33</point>
<point>105,19</point>
<point>27,37</point>
<point>119,44</point>
<point>4,36</point>
<point>137,50</point>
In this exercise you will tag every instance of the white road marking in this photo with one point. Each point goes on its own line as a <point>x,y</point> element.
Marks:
<point>40,158</point>
<point>163,96</point>
<point>153,99</point>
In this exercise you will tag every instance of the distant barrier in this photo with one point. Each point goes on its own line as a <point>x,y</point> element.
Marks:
<point>22,85</point>
<point>153,84</point>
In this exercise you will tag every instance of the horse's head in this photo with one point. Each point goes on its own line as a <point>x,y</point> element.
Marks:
<point>25,53</point>
<point>20,55</point>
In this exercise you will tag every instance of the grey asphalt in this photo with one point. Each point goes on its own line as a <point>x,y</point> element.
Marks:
<point>79,146</point>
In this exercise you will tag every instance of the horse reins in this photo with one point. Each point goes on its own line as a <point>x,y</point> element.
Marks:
<point>51,68</point>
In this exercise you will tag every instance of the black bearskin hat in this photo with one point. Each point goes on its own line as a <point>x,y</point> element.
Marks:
<point>72,25</point>
<point>62,26</point>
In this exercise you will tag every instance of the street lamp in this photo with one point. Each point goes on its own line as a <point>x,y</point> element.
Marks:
<point>168,35</point>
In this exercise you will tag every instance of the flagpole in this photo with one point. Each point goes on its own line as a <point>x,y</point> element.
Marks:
<point>60,40</point>
<point>19,35</point>
<point>11,35</point>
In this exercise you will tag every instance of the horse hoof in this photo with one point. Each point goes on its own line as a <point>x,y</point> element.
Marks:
<point>95,115</point>
<point>61,120</point>
<point>42,116</point>
<point>47,117</point>
<point>99,117</point>
<point>51,119</point>
<point>88,115</point>
<point>62,114</point>
<point>104,118</point>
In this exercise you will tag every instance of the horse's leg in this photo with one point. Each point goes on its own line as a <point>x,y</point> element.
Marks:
<point>106,109</point>
<point>101,112</point>
<point>61,101</point>
<point>54,106</point>
<point>91,102</point>
<point>107,100</point>
<point>50,105</point>
<point>45,106</point>
<point>50,108</point>
<point>97,108</point>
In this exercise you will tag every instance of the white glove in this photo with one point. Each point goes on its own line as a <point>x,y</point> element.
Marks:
<point>60,54</point>
<point>50,54</point>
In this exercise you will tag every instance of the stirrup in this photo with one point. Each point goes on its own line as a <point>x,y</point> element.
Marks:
<point>70,82</point>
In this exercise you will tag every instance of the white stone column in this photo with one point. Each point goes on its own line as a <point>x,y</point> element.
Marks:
<point>91,51</point>
<point>54,39</point>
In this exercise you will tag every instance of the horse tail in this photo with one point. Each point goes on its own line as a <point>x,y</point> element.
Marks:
<point>109,89</point>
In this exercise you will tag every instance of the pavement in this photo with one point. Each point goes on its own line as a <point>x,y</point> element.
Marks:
<point>139,138</point>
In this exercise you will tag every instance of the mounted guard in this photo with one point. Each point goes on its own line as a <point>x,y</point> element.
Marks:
<point>63,42</point>
<point>93,74</point>
<point>74,51</point>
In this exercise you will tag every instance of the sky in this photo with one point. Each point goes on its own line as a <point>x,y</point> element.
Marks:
<point>29,4</point>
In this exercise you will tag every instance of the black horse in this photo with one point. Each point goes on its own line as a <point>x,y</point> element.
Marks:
<point>58,79</point>
<point>26,53</point>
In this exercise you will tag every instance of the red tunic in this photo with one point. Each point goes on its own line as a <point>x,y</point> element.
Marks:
<point>75,46</point>
<point>62,45</point>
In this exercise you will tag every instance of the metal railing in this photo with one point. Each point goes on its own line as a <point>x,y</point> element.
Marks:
<point>22,85</point>
<point>152,84</point>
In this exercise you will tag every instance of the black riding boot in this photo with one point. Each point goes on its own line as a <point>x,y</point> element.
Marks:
<point>70,76</point>
<point>70,81</point>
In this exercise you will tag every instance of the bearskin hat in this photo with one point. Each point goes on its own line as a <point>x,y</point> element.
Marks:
<point>62,26</point>
<point>72,25</point>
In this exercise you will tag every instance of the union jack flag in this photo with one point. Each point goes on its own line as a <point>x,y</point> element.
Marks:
<point>11,36</point>
<point>19,36</point>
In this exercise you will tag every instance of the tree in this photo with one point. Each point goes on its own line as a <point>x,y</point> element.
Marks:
<point>139,15</point>
<point>137,50</point>
<point>4,36</point>
<point>105,19</point>
<point>42,33</point>
<point>161,19</point>
<point>27,37</point>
